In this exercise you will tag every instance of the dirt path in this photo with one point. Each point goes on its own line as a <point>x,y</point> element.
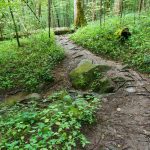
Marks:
<point>123,122</point>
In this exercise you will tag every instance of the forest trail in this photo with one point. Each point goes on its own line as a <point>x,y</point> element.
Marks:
<point>123,121</point>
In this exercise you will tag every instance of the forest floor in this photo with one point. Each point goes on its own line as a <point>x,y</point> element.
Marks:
<point>123,121</point>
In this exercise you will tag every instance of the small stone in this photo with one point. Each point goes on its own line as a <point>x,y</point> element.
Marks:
<point>119,145</point>
<point>146,132</point>
<point>35,96</point>
<point>119,109</point>
<point>131,89</point>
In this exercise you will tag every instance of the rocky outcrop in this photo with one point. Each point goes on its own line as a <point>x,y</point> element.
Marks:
<point>91,76</point>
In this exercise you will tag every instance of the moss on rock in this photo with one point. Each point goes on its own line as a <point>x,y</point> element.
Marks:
<point>103,85</point>
<point>83,75</point>
<point>86,75</point>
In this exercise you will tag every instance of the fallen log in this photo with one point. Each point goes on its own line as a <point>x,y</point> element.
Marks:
<point>63,30</point>
<point>20,34</point>
<point>57,31</point>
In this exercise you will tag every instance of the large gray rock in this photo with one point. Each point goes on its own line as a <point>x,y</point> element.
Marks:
<point>82,75</point>
<point>86,73</point>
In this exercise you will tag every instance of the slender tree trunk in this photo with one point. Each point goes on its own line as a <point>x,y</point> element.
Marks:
<point>58,21</point>
<point>53,21</point>
<point>104,13</point>
<point>49,18</point>
<point>34,13</point>
<point>15,25</point>
<point>75,10</point>
<point>101,3</point>
<point>67,14</point>
<point>2,24</point>
<point>40,9</point>
<point>94,11</point>
<point>141,5</point>
<point>57,15</point>
<point>1,33</point>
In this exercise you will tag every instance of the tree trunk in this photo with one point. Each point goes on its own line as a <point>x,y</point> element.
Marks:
<point>79,17</point>
<point>15,25</point>
<point>118,6</point>
<point>34,13</point>
<point>39,9</point>
<point>141,5</point>
<point>67,14</point>
<point>49,18</point>
<point>94,10</point>
<point>101,3</point>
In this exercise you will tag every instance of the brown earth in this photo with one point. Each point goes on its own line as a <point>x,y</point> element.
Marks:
<point>123,121</point>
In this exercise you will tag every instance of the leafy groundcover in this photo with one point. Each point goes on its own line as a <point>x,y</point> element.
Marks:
<point>48,124</point>
<point>30,66</point>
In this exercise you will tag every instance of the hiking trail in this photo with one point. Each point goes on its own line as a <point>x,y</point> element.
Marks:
<point>123,121</point>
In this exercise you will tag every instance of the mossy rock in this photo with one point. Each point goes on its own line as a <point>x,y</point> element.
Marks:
<point>103,85</point>
<point>84,75</point>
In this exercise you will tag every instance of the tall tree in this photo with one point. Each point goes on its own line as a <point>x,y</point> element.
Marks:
<point>118,6</point>
<point>94,10</point>
<point>141,5</point>
<point>79,17</point>
<point>101,3</point>
<point>49,18</point>
<point>26,2</point>
<point>39,8</point>
<point>14,22</point>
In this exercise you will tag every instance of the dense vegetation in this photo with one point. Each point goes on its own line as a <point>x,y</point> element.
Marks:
<point>105,40</point>
<point>55,122</point>
<point>52,123</point>
<point>28,66</point>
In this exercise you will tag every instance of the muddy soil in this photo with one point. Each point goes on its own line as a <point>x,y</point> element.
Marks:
<point>123,121</point>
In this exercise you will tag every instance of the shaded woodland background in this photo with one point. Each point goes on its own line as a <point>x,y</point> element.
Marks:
<point>32,15</point>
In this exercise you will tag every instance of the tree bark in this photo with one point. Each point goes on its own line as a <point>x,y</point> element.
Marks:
<point>15,25</point>
<point>141,5</point>
<point>26,2</point>
<point>39,9</point>
<point>94,11</point>
<point>79,17</point>
<point>101,3</point>
<point>49,18</point>
<point>118,7</point>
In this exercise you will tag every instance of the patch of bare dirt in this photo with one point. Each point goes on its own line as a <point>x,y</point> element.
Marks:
<point>123,121</point>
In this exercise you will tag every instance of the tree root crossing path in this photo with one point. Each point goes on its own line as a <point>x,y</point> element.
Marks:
<point>123,121</point>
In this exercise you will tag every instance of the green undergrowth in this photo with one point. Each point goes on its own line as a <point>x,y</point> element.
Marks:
<point>48,124</point>
<point>29,66</point>
<point>103,40</point>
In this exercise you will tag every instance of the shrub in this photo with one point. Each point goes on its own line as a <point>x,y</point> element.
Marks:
<point>30,65</point>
